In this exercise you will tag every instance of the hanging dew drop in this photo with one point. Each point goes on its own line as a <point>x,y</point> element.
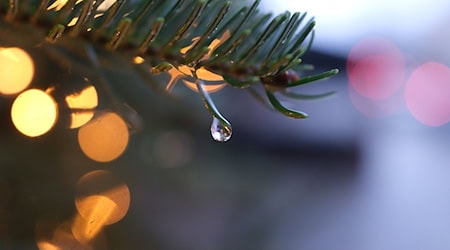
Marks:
<point>220,132</point>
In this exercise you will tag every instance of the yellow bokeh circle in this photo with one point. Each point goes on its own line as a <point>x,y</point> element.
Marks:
<point>102,197</point>
<point>104,138</point>
<point>34,112</point>
<point>16,70</point>
<point>82,106</point>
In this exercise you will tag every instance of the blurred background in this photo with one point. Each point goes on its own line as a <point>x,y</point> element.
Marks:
<point>367,171</point>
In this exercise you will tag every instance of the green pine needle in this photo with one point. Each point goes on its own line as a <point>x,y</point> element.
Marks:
<point>254,47</point>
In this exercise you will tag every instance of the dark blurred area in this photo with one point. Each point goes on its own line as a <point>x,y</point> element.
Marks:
<point>368,170</point>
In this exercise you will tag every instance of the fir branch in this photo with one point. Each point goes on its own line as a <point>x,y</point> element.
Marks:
<point>245,47</point>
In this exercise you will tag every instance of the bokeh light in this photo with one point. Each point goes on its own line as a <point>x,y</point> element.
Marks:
<point>210,88</point>
<point>34,112</point>
<point>171,149</point>
<point>16,70</point>
<point>202,74</point>
<point>427,94</point>
<point>50,235</point>
<point>104,138</point>
<point>73,22</point>
<point>376,108</point>
<point>376,68</point>
<point>45,245</point>
<point>138,60</point>
<point>58,4</point>
<point>82,105</point>
<point>102,197</point>
<point>105,5</point>
<point>95,212</point>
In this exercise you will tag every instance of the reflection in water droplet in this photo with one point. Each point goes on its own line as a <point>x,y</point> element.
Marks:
<point>219,131</point>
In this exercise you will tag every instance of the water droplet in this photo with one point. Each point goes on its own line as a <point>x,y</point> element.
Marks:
<point>219,131</point>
